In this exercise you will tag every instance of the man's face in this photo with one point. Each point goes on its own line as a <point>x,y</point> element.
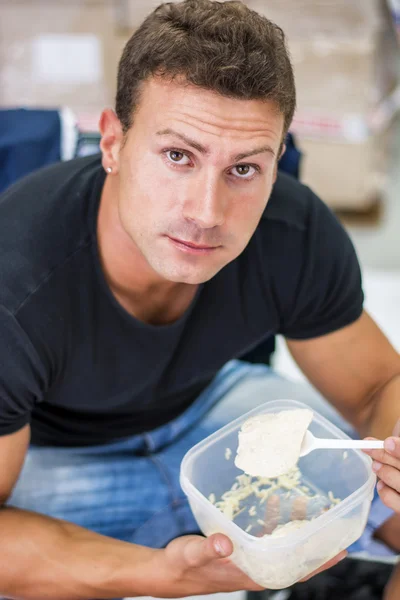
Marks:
<point>195,175</point>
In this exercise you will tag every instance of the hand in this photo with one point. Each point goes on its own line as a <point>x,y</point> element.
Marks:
<point>387,467</point>
<point>193,565</point>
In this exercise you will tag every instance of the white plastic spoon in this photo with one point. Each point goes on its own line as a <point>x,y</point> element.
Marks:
<point>311,443</point>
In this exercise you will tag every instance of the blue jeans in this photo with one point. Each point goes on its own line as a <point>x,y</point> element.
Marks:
<point>130,489</point>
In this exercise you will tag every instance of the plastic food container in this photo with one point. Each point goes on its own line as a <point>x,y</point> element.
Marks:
<point>278,562</point>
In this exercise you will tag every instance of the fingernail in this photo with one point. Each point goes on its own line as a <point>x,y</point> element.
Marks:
<point>379,485</point>
<point>219,549</point>
<point>390,444</point>
<point>376,466</point>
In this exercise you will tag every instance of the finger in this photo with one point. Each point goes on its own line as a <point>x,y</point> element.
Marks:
<point>327,565</point>
<point>388,496</point>
<point>375,454</point>
<point>392,446</point>
<point>381,456</point>
<point>198,552</point>
<point>389,475</point>
<point>272,514</point>
<point>299,508</point>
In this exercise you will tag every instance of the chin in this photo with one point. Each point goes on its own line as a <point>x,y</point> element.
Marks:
<point>190,277</point>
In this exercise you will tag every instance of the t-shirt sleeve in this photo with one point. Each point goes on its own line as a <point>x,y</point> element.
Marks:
<point>326,287</point>
<point>21,375</point>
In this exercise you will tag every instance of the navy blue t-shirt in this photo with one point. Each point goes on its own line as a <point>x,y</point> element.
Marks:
<point>81,370</point>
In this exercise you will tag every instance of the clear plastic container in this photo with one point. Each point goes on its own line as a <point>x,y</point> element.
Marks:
<point>278,562</point>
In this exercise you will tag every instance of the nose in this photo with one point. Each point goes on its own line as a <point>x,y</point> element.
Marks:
<point>206,203</point>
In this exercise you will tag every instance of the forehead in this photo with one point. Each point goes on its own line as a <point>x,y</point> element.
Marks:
<point>172,104</point>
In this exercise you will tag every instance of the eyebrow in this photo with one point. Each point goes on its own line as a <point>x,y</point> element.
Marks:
<point>203,150</point>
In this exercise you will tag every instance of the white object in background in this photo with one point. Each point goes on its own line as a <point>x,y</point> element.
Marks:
<point>69,133</point>
<point>385,111</point>
<point>310,443</point>
<point>67,59</point>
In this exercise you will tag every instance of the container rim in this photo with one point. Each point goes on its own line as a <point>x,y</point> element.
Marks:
<point>313,526</point>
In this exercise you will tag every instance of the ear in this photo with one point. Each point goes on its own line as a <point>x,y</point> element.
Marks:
<point>282,152</point>
<point>111,139</point>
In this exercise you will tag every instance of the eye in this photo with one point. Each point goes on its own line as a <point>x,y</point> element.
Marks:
<point>177,157</point>
<point>245,171</point>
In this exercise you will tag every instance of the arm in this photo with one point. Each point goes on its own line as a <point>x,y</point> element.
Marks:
<point>358,371</point>
<point>42,557</point>
<point>392,590</point>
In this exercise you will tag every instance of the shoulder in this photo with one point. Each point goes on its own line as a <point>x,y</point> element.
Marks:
<point>292,204</point>
<point>308,261</point>
<point>44,218</point>
<point>298,227</point>
<point>298,222</point>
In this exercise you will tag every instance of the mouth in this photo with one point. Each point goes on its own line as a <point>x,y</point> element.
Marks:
<point>192,248</point>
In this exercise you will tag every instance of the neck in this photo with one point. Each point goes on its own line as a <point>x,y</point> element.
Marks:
<point>135,285</point>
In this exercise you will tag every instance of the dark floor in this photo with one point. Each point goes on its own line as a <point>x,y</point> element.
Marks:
<point>349,580</point>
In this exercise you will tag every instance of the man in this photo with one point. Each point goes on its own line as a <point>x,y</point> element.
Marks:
<point>129,284</point>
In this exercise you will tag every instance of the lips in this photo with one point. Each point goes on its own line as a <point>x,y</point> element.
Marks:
<point>193,245</point>
<point>190,248</point>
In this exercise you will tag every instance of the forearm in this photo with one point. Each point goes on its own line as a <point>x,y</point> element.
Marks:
<point>384,411</point>
<point>41,557</point>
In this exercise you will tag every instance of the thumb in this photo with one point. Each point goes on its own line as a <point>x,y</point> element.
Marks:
<point>198,552</point>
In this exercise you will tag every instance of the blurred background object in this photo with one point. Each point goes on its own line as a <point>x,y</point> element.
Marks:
<point>345,58</point>
<point>345,55</point>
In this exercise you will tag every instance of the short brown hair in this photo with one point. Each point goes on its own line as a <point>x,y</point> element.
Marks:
<point>219,46</point>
